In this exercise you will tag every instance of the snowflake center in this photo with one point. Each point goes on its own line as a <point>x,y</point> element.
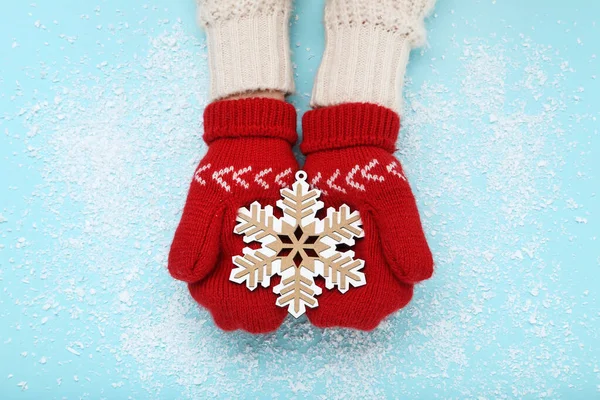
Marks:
<point>298,245</point>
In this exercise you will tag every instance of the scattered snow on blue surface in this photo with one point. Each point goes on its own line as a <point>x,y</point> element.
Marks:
<point>486,150</point>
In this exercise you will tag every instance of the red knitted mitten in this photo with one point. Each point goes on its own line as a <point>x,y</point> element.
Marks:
<point>349,156</point>
<point>249,158</point>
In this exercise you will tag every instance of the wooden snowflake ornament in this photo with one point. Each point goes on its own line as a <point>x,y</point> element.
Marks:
<point>298,247</point>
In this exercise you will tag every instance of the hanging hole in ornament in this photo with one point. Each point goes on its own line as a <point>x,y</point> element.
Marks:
<point>301,176</point>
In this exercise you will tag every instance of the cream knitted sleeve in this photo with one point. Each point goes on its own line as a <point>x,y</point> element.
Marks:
<point>248,45</point>
<point>366,50</point>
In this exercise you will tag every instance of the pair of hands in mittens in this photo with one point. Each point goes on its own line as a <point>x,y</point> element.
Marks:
<point>349,151</point>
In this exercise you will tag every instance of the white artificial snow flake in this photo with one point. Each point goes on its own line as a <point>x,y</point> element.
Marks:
<point>73,351</point>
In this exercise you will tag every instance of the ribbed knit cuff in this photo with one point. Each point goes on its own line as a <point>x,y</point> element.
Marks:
<point>249,54</point>
<point>349,125</point>
<point>255,117</point>
<point>361,64</point>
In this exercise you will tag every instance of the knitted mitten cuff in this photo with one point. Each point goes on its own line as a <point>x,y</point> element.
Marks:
<point>254,117</point>
<point>248,46</point>
<point>350,125</point>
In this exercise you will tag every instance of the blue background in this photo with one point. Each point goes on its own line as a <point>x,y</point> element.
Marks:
<point>100,124</point>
